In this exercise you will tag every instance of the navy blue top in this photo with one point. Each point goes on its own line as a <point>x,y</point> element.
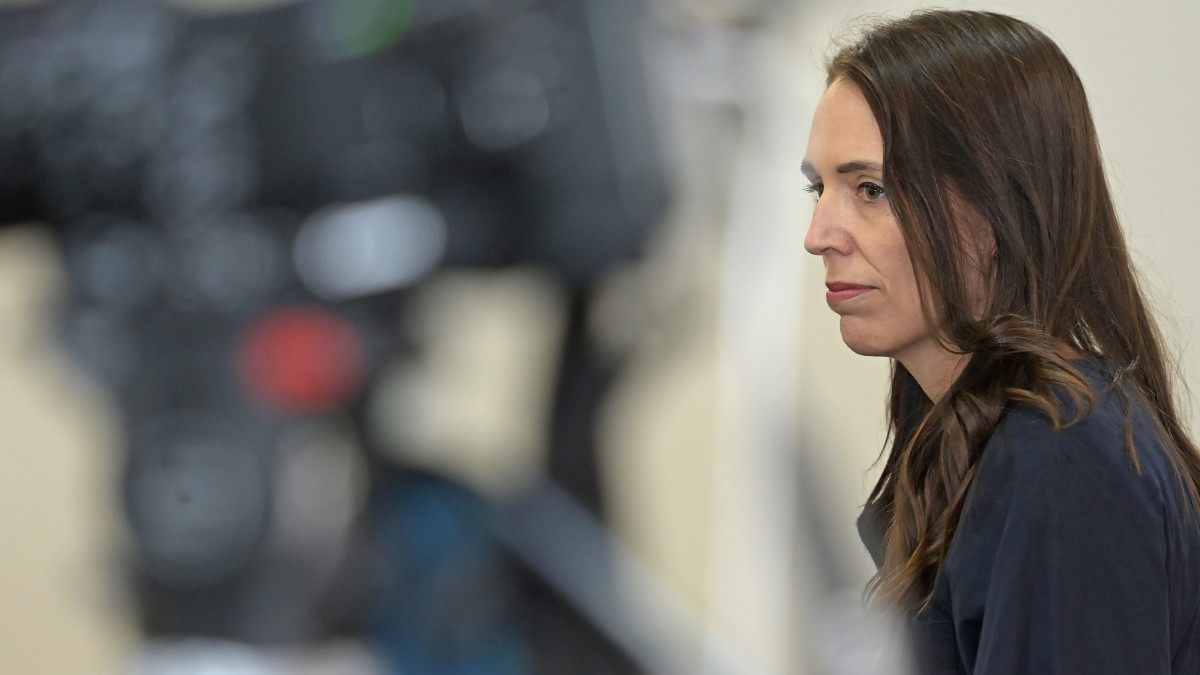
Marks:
<point>1066,560</point>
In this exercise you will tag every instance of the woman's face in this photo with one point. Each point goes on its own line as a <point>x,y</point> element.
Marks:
<point>870,279</point>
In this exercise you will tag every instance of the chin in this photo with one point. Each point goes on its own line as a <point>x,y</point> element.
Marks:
<point>866,350</point>
<point>865,344</point>
<point>865,347</point>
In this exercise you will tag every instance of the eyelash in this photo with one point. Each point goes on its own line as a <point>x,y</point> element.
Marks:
<point>819,189</point>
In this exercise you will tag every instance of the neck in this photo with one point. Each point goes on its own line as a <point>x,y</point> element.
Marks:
<point>934,369</point>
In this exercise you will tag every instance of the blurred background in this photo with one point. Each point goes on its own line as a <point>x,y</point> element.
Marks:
<point>460,336</point>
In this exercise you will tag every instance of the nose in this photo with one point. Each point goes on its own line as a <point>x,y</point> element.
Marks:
<point>826,233</point>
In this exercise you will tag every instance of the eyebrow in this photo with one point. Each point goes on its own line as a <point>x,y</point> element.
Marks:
<point>860,165</point>
<point>853,166</point>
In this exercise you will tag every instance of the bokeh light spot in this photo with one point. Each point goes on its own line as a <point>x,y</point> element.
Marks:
<point>302,360</point>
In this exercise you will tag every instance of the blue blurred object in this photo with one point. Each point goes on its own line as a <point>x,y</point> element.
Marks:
<point>450,606</point>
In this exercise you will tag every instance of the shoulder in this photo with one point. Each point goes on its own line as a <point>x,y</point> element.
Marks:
<point>1065,499</point>
<point>1036,465</point>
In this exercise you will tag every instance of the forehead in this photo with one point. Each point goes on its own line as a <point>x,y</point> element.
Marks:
<point>843,128</point>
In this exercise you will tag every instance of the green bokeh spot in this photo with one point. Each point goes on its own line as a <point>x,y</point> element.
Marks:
<point>363,27</point>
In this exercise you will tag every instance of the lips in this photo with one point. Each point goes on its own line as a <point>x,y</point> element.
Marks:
<point>840,291</point>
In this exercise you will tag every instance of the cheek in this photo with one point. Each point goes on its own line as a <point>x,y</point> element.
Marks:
<point>898,270</point>
<point>905,289</point>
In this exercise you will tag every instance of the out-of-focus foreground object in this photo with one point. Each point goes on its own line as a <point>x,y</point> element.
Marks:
<point>268,218</point>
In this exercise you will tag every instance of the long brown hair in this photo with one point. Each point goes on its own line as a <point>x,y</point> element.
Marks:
<point>991,157</point>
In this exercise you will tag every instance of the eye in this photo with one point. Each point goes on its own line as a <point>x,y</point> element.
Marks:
<point>872,192</point>
<point>816,188</point>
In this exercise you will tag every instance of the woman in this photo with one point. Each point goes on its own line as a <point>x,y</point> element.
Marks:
<point>1037,512</point>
